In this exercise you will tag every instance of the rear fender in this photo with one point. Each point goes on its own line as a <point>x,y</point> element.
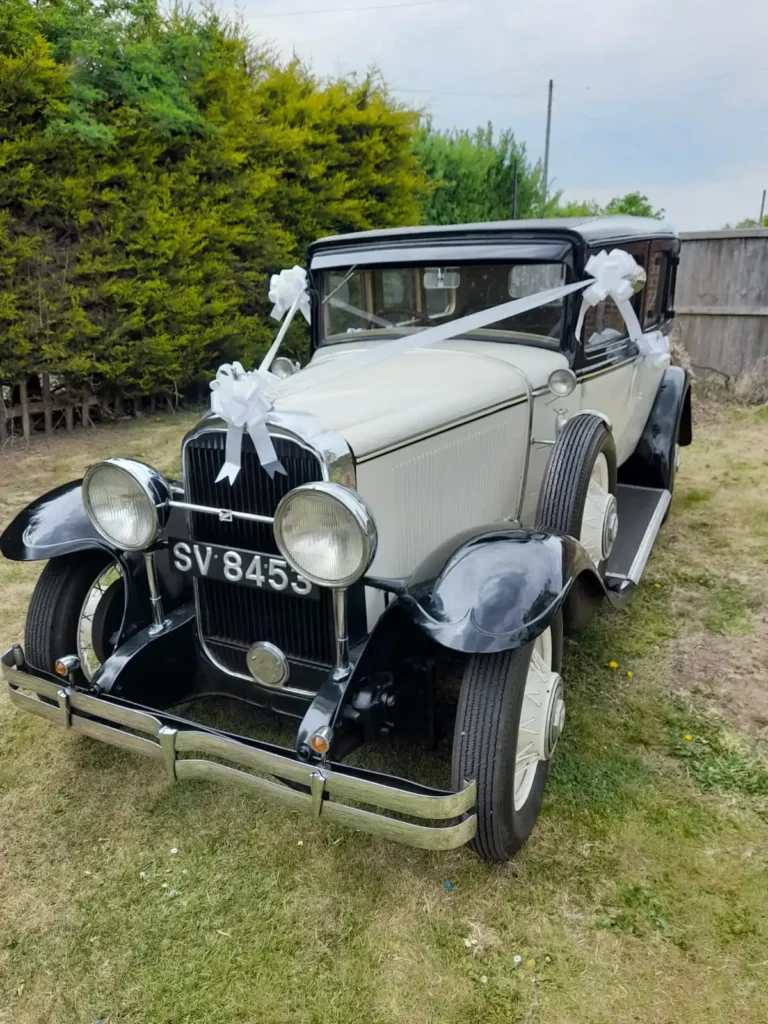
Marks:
<point>57,524</point>
<point>495,589</point>
<point>670,421</point>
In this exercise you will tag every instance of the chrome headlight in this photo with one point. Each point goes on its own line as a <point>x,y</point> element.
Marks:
<point>326,533</point>
<point>127,502</point>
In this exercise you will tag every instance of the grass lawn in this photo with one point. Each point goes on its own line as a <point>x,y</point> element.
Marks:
<point>642,895</point>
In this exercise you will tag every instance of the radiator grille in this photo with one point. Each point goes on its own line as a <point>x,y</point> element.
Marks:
<point>233,617</point>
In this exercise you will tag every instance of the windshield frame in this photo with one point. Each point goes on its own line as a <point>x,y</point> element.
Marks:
<point>555,247</point>
<point>562,342</point>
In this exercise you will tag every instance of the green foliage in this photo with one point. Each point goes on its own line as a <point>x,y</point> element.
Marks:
<point>750,222</point>
<point>635,204</point>
<point>471,179</point>
<point>472,174</point>
<point>589,208</point>
<point>154,170</point>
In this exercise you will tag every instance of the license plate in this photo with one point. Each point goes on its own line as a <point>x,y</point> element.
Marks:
<point>233,565</point>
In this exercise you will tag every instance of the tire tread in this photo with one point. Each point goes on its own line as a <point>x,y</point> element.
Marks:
<point>481,709</point>
<point>55,606</point>
<point>568,474</point>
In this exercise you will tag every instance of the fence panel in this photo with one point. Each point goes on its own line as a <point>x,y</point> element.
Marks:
<point>722,298</point>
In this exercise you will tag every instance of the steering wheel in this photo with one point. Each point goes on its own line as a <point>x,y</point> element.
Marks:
<point>412,314</point>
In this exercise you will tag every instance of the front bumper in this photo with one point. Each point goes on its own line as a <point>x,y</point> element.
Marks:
<point>142,732</point>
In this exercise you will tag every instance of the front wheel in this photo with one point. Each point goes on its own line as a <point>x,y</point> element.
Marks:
<point>76,608</point>
<point>510,715</point>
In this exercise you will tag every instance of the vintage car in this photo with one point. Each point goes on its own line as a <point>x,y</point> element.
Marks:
<point>481,448</point>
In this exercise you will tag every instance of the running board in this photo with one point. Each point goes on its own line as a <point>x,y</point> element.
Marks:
<point>641,513</point>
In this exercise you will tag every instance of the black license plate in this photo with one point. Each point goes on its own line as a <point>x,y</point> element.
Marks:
<point>233,565</point>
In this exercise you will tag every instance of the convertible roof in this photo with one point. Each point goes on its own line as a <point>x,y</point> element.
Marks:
<point>589,230</point>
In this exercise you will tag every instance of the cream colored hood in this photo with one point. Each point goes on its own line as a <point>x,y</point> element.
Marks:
<point>417,392</point>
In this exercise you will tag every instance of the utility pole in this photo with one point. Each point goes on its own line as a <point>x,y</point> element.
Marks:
<point>514,192</point>
<point>762,210</point>
<point>546,144</point>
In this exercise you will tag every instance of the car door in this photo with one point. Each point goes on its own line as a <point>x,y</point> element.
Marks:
<point>656,303</point>
<point>607,364</point>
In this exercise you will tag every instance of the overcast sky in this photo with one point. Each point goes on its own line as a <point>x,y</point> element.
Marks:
<point>666,96</point>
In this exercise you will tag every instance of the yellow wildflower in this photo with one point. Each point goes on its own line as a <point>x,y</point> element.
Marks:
<point>630,674</point>
<point>688,737</point>
<point>657,585</point>
<point>613,664</point>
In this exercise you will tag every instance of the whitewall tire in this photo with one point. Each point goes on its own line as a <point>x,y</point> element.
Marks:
<point>510,715</point>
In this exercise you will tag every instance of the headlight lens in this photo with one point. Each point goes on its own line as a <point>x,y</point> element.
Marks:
<point>126,502</point>
<point>326,533</point>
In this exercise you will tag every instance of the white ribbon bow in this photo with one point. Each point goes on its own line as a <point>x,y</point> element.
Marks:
<point>614,274</point>
<point>243,401</point>
<point>288,292</point>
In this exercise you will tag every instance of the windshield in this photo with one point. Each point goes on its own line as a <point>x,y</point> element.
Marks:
<point>392,301</point>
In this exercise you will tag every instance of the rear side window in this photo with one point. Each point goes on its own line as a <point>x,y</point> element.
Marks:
<point>604,323</point>
<point>656,290</point>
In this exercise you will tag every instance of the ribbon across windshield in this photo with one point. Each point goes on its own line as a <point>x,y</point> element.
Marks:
<point>245,400</point>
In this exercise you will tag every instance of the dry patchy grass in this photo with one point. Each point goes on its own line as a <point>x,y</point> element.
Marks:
<point>641,896</point>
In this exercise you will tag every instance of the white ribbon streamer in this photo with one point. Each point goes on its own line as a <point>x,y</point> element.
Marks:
<point>443,332</point>
<point>243,401</point>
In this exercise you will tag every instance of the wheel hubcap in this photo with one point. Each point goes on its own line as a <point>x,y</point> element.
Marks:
<point>600,522</point>
<point>86,651</point>
<point>542,717</point>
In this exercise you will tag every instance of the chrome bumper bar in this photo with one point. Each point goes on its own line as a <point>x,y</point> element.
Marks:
<point>111,723</point>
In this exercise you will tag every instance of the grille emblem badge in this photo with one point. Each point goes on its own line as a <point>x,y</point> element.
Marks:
<point>267,664</point>
<point>225,516</point>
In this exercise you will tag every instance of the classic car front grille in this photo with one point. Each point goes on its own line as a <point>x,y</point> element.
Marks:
<point>233,617</point>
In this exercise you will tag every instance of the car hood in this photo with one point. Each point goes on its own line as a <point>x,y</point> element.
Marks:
<point>414,393</point>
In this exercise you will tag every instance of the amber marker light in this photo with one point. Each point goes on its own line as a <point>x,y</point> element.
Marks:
<point>67,665</point>
<point>320,741</point>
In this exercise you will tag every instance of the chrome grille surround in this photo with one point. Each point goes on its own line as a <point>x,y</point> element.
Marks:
<point>334,463</point>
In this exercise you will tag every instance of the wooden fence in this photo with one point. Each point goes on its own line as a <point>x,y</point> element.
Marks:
<point>722,298</point>
<point>23,414</point>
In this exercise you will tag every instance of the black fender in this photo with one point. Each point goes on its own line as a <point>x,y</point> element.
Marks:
<point>494,589</point>
<point>670,421</point>
<point>57,524</point>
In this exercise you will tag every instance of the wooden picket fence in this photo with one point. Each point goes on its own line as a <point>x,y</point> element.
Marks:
<point>24,415</point>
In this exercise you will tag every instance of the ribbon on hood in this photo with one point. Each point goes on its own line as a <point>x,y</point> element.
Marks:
<point>243,400</point>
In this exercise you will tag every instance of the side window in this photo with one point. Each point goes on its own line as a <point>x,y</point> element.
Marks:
<point>604,323</point>
<point>660,270</point>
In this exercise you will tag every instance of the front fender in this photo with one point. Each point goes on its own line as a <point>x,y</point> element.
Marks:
<point>495,589</point>
<point>55,524</point>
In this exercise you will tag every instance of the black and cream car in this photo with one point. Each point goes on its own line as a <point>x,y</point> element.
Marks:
<point>453,505</point>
